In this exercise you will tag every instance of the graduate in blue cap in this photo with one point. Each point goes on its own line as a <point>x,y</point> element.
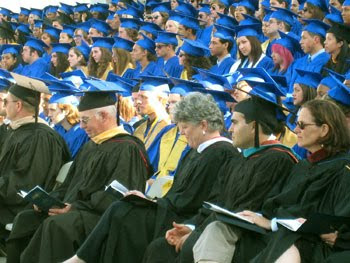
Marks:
<point>326,84</point>
<point>21,32</point>
<point>113,21</point>
<point>346,12</point>
<point>247,7</point>
<point>32,53</point>
<point>6,33</point>
<point>59,59</point>
<point>312,39</point>
<point>249,48</point>
<point>11,59</point>
<point>5,14</point>
<point>98,28</point>
<point>166,44</point>
<point>63,113</point>
<point>218,6</point>
<point>81,13</point>
<point>99,11</point>
<point>220,47</point>
<point>315,9</point>
<point>206,23</point>
<point>100,59</point>
<point>23,15</point>
<point>337,45</point>
<point>149,29</point>
<point>66,35</point>
<point>160,13</point>
<point>121,55</point>
<point>193,54</point>
<point>128,28</point>
<point>144,55</point>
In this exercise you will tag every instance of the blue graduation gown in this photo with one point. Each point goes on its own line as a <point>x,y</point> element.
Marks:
<point>18,69</point>
<point>151,69</point>
<point>224,66</point>
<point>263,62</point>
<point>36,69</point>
<point>172,67</point>
<point>75,137</point>
<point>302,63</point>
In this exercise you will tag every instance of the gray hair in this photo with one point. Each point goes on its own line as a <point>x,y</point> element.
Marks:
<point>197,107</point>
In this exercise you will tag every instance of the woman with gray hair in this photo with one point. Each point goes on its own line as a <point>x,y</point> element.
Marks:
<point>128,226</point>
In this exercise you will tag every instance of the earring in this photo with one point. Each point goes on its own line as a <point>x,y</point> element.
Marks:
<point>203,132</point>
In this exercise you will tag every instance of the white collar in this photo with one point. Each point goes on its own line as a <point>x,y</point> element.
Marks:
<point>221,60</point>
<point>206,144</point>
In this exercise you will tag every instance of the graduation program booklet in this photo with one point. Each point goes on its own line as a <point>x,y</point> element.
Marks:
<point>41,199</point>
<point>316,224</point>
<point>156,189</point>
<point>232,218</point>
<point>117,188</point>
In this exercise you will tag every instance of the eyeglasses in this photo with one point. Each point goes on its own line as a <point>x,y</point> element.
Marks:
<point>160,46</point>
<point>6,101</point>
<point>303,125</point>
<point>85,120</point>
<point>155,17</point>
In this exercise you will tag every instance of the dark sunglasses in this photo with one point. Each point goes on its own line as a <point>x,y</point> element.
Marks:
<point>303,125</point>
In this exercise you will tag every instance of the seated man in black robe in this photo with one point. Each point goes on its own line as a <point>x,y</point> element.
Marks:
<point>127,227</point>
<point>112,154</point>
<point>247,184</point>
<point>31,154</point>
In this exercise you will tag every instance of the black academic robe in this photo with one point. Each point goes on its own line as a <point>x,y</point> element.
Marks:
<point>3,132</point>
<point>127,227</point>
<point>320,186</point>
<point>30,155</point>
<point>121,158</point>
<point>246,184</point>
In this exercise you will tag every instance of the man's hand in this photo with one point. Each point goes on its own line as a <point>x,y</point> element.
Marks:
<point>256,219</point>
<point>182,240</point>
<point>57,211</point>
<point>135,192</point>
<point>174,235</point>
<point>330,238</point>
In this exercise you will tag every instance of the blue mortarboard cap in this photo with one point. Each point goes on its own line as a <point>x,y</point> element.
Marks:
<point>61,47</point>
<point>308,78</point>
<point>123,43</point>
<point>328,82</point>
<point>220,97</point>
<point>289,41</point>
<point>123,82</point>
<point>183,87</point>
<point>64,98</point>
<point>205,8</point>
<point>69,30</point>
<point>14,25</point>
<point>175,16</point>
<point>67,9</point>
<point>57,85</point>
<point>226,3</point>
<point>112,77</point>
<point>335,74</point>
<point>161,7</point>
<point>340,93</point>
<point>227,21</point>
<point>316,26</point>
<point>283,14</point>
<point>346,3</point>
<point>100,25</point>
<point>255,74</point>
<point>38,23</point>
<point>24,11</point>
<point>15,16</point>
<point>147,43</point>
<point>167,38</point>
<point>80,8</point>
<point>51,9</point>
<point>131,11</point>
<point>211,80</point>
<point>36,12</point>
<point>85,26</point>
<point>248,30</point>
<point>224,33</point>
<point>249,20</point>
<point>111,15</point>
<point>195,48</point>
<point>268,13</point>
<point>5,11</point>
<point>153,83</point>
<point>105,42</point>
<point>130,23</point>
<point>265,91</point>
<point>190,22</point>
<point>52,31</point>
<point>75,77</point>
<point>6,75</point>
<point>24,28</point>
<point>250,4</point>
<point>186,9</point>
<point>322,4</point>
<point>265,4</point>
<point>281,82</point>
<point>37,44</point>
<point>100,8</point>
<point>11,49</point>
<point>150,27</point>
<point>334,15</point>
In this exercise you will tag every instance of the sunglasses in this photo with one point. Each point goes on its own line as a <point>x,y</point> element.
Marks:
<point>155,17</point>
<point>303,125</point>
<point>160,46</point>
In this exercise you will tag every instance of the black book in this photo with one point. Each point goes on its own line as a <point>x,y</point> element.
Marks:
<point>41,199</point>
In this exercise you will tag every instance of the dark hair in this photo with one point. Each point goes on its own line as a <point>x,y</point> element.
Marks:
<point>98,69</point>
<point>78,53</point>
<point>284,1</point>
<point>18,61</point>
<point>326,112</point>
<point>341,66</point>
<point>230,44</point>
<point>198,62</point>
<point>22,37</point>
<point>151,56</point>
<point>315,11</point>
<point>344,108</point>
<point>322,39</point>
<point>62,65</point>
<point>132,33</point>
<point>35,50</point>
<point>309,93</point>
<point>193,31</point>
<point>256,50</point>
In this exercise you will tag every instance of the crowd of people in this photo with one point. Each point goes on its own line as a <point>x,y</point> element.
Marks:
<point>243,104</point>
